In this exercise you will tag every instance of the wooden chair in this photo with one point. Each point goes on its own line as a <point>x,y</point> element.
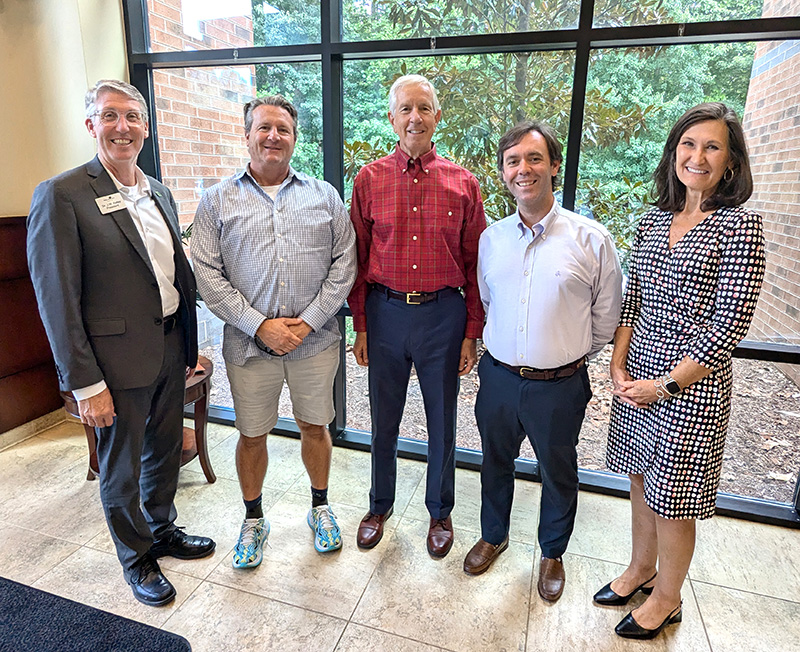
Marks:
<point>198,389</point>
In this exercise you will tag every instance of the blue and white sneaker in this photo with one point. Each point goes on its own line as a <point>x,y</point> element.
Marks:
<point>247,553</point>
<point>327,537</point>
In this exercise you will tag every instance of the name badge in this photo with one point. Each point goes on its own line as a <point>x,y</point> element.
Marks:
<point>110,203</point>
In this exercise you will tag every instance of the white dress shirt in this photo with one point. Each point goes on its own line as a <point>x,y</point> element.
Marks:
<point>552,293</point>
<point>157,240</point>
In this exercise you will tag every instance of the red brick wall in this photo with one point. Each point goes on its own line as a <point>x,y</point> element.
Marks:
<point>199,110</point>
<point>772,126</point>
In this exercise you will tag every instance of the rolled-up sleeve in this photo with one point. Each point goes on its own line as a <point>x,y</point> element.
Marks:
<point>607,299</point>
<point>224,300</point>
<point>342,272</point>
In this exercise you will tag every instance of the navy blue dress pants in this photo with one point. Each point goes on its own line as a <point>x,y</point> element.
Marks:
<point>549,413</point>
<point>139,457</point>
<point>430,336</point>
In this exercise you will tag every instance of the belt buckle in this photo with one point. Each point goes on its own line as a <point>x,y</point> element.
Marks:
<point>409,295</point>
<point>524,370</point>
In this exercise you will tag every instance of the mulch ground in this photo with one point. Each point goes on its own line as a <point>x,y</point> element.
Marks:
<point>761,453</point>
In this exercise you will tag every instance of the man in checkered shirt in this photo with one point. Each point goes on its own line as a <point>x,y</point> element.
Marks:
<point>418,218</point>
<point>274,256</point>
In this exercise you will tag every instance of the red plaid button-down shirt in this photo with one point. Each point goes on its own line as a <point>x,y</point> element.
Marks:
<point>417,225</point>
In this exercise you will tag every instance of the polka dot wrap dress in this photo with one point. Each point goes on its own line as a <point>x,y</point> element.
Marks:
<point>696,299</point>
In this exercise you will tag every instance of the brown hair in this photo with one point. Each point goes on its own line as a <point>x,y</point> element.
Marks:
<point>514,135</point>
<point>670,193</point>
<point>269,100</point>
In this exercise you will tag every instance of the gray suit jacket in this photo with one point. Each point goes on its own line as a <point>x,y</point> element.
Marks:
<point>97,293</point>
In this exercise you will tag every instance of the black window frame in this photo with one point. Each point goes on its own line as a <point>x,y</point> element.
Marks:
<point>331,52</point>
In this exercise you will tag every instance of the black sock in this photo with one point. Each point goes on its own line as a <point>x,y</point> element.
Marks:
<point>319,497</point>
<point>253,508</point>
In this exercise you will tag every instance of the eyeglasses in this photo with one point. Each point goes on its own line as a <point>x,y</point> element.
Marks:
<point>110,117</point>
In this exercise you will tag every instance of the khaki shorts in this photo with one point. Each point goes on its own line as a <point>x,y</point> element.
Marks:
<point>256,388</point>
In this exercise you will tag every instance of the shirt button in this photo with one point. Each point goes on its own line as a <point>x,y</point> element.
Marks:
<point>279,235</point>
<point>449,212</point>
<point>426,172</point>
<point>281,259</point>
<point>413,237</point>
<point>526,272</point>
<point>520,356</point>
<point>523,301</point>
<point>414,209</point>
<point>413,267</point>
<point>416,180</point>
<point>283,307</point>
<point>282,284</point>
<point>521,329</point>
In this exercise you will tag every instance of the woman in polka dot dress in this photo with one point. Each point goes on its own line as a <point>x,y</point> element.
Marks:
<point>696,270</point>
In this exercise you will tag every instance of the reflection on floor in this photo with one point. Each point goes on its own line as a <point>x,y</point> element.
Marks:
<point>743,594</point>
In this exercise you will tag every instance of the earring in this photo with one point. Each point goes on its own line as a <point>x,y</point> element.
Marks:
<point>726,176</point>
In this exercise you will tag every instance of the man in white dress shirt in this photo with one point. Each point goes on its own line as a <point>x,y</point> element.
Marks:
<point>551,285</point>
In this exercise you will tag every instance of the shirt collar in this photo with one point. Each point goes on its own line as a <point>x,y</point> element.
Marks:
<point>426,161</point>
<point>542,226</point>
<point>245,172</point>
<point>141,189</point>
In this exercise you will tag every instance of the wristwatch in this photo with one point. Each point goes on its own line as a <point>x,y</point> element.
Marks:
<point>262,345</point>
<point>671,385</point>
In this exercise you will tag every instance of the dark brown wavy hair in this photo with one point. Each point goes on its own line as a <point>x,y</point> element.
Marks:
<point>670,193</point>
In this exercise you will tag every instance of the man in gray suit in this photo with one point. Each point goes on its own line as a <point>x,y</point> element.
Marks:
<point>117,298</point>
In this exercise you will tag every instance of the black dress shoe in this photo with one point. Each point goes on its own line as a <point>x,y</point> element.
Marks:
<point>629,628</point>
<point>180,545</point>
<point>608,597</point>
<point>149,584</point>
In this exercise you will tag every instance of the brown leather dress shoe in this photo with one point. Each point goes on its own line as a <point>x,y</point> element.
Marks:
<point>482,555</point>
<point>370,532</point>
<point>440,537</point>
<point>551,579</point>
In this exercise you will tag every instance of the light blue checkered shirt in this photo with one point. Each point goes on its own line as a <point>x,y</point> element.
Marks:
<point>256,259</point>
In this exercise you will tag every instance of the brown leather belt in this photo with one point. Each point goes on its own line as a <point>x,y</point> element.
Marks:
<point>411,298</point>
<point>531,373</point>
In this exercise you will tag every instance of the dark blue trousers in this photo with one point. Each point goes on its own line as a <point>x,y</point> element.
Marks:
<point>139,457</point>
<point>430,336</point>
<point>549,413</point>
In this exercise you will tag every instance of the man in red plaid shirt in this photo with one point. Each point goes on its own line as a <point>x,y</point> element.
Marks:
<point>418,218</point>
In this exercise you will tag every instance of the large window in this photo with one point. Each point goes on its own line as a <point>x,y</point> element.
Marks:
<point>611,77</point>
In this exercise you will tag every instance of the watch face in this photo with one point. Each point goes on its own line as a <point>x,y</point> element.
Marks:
<point>672,387</point>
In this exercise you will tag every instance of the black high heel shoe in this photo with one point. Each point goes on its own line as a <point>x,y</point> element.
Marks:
<point>629,628</point>
<point>608,597</point>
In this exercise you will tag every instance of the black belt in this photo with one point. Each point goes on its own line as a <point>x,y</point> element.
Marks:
<point>412,298</point>
<point>170,323</point>
<point>531,373</point>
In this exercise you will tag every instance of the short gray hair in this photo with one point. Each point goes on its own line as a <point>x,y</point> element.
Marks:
<point>113,86</point>
<point>269,100</point>
<point>411,80</point>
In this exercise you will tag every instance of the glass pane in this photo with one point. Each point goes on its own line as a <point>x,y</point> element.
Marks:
<point>610,13</point>
<point>177,25</point>
<point>367,20</point>
<point>630,89</point>
<point>481,97</point>
<point>643,91</point>
<point>201,127</point>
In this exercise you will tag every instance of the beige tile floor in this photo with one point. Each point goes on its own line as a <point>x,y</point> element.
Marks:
<point>743,594</point>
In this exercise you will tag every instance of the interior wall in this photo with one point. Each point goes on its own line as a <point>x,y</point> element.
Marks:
<point>51,51</point>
